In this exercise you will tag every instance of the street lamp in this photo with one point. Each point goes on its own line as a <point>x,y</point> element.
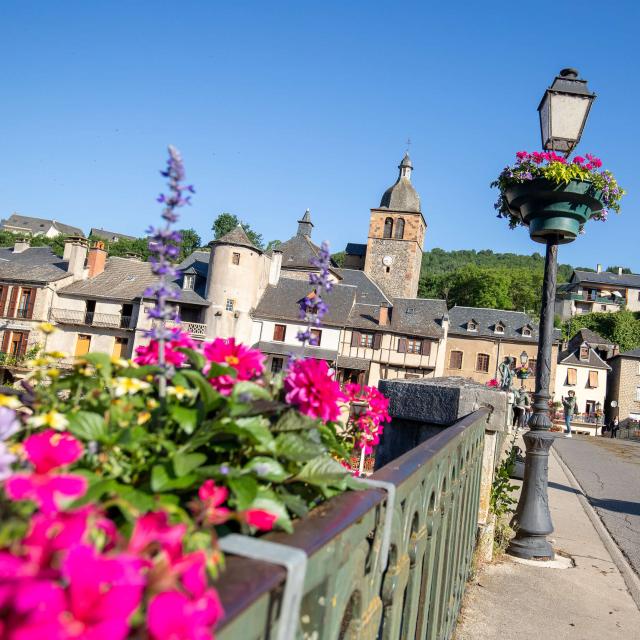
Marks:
<point>524,358</point>
<point>563,111</point>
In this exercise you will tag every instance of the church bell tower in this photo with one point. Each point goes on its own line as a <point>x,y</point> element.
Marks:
<point>396,237</point>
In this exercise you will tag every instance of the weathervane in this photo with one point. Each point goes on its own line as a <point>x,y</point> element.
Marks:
<point>408,144</point>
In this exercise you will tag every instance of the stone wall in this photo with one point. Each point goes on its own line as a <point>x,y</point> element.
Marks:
<point>625,381</point>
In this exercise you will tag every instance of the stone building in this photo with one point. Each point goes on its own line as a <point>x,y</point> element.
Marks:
<point>624,387</point>
<point>598,291</point>
<point>29,226</point>
<point>480,339</point>
<point>582,370</point>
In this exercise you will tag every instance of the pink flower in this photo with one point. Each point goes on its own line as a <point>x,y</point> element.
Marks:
<point>522,155</point>
<point>596,162</point>
<point>47,451</point>
<point>247,362</point>
<point>554,157</point>
<point>153,530</point>
<point>578,160</point>
<point>213,496</point>
<point>538,157</point>
<point>148,354</point>
<point>370,422</point>
<point>260,519</point>
<point>312,390</point>
<point>173,615</point>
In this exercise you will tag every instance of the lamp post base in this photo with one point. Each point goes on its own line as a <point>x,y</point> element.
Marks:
<point>532,520</point>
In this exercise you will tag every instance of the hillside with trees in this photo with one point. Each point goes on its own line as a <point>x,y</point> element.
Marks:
<point>621,328</point>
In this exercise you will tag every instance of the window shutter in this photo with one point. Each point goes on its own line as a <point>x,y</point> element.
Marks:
<point>425,348</point>
<point>377,340</point>
<point>3,299</point>
<point>5,341</point>
<point>572,375</point>
<point>31,303</point>
<point>13,300</point>
<point>593,379</point>
<point>23,344</point>
<point>402,345</point>
<point>355,338</point>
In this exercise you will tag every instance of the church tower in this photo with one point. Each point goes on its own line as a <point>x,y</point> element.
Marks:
<point>396,236</point>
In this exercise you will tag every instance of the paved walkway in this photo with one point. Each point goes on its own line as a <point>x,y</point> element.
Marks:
<point>609,473</point>
<point>587,602</point>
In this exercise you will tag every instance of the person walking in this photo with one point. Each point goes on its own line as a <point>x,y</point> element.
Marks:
<point>615,427</point>
<point>521,406</point>
<point>569,405</point>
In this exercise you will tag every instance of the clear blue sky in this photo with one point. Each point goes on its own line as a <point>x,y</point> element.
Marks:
<point>280,106</point>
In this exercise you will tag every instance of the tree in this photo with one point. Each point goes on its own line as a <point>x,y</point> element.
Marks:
<point>190,242</point>
<point>621,328</point>
<point>616,268</point>
<point>227,222</point>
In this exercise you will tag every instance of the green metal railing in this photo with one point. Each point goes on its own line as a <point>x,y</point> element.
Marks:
<point>348,594</point>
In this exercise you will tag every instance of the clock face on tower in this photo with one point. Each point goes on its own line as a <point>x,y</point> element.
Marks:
<point>387,261</point>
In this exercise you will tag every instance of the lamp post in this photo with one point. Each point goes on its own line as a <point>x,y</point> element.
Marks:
<point>563,112</point>
<point>524,358</point>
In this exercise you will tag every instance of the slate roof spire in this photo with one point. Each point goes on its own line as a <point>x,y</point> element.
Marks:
<point>402,196</point>
<point>237,236</point>
<point>305,225</point>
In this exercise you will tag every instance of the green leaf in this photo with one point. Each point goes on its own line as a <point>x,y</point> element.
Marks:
<point>160,479</point>
<point>321,471</point>
<point>244,489</point>
<point>297,448</point>
<point>140,373</point>
<point>140,500</point>
<point>266,468</point>
<point>257,428</point>
<point>208,395</point>
<point>269,501</point>
<point>101,361</point>
<point>292,420</point>
<point>87,425</point>
<point>250,389</point>
<point>294,503</point>
<point>186,417</point>
<point>184,463</point>
<point>195,358</point>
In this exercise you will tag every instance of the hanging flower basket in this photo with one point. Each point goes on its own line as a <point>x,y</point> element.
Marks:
<point>523,374</point>
<point>553,197</point>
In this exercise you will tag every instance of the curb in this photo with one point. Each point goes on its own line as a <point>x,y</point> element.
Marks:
<point>628,574</point>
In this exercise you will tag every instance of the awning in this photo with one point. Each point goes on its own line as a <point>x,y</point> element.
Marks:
<point>617,294</point>
<point>604,292</point>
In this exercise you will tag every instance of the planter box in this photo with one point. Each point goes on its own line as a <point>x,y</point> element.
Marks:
<point>553,210</point>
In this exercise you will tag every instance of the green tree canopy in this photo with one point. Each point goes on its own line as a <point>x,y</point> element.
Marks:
<point>621,328</point>
<point>227,222</point>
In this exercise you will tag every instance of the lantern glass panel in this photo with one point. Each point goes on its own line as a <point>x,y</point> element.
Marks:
<point>568,114</point>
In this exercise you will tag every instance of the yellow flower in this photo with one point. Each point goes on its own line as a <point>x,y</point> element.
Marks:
<point>129,386</point>
<point>11,402</point>
<point>53,373</point>
<point>46,327</point>
<point>52,419</point>
<point>152,404</point>
<point>143,416</point>
<point>180,392</point>
<point>57,355</point>
<point>120,362</point>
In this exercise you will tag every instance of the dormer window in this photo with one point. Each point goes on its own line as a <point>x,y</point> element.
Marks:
<point>472,325</point>
<point>189,281</point>
<point>584,352</point>
<point>526,332</point>
<point>499,328</point>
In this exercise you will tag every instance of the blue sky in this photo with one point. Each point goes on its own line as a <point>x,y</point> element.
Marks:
<point>280,106</point>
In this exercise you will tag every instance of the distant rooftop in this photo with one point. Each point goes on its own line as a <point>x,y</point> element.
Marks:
<point>26,224</point>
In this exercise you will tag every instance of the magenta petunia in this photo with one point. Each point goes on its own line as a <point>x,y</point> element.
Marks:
<point>213,498</point>
<point>311,388</point>
<point>148,354</point>
<point>260,519</point>
<point>51,449</point>
<point>152,530</point>
<point>247,362</point>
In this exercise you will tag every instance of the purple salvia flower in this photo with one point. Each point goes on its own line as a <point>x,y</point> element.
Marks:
<point>6,460</point>
<point>9,424</point>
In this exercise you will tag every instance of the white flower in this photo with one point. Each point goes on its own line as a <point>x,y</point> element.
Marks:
<point>129,386</point>
<point>11,402</point>
<point>52,419</point>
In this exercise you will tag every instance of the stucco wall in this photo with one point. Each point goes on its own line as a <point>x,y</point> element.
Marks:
<point>581,388</point>
<point>625,379</point>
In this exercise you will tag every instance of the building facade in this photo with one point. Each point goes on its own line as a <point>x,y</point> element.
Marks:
<point>624,388</point>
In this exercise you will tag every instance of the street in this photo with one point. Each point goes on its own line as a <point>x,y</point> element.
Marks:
<point>609,473</point>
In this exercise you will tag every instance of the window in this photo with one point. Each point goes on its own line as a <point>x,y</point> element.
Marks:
<point>18,343</point>
<point>482,362</point>
<point>388,228</point>
<point>637,394</point>
<point>235,258</point>
<point>603,307</point>
<point>276,365</point>
<point>120,347</point>
<point>399,228</point>
<point>230,304</point>
<point>316,337</point>
<point>572,377</point>
<point>499,328</point>
<point>189,281</point>
<point>414,345</point>
<point>472,325</point>
<point>532,366</point>
<point>25,306</point>
<point>526,332</point>
<point>83,344</point>
<point>593,379</point>
<point>584,352</point>
<point>279,332</point>
<point>455,360</point>
<point>366,340</point>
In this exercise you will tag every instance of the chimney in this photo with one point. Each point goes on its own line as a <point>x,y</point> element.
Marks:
<point>383,316</point>
<point>598,268</point>
<point>21,245</point>
<point>619,271</point>
<point>275,266</point>
<point>75,252</point>
<point>96,259</point>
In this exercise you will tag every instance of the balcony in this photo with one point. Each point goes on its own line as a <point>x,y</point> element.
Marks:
<point>91,319</point>
<point>585,297</point>
<point>196,330</point>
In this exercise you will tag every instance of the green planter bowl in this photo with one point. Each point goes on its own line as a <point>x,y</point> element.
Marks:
<point>523,376</point>
<point>553,210</point>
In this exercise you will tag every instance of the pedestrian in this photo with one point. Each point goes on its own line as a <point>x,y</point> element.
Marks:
<point>569,405</point>
<point>615,427</point>
<point>521,406</point>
